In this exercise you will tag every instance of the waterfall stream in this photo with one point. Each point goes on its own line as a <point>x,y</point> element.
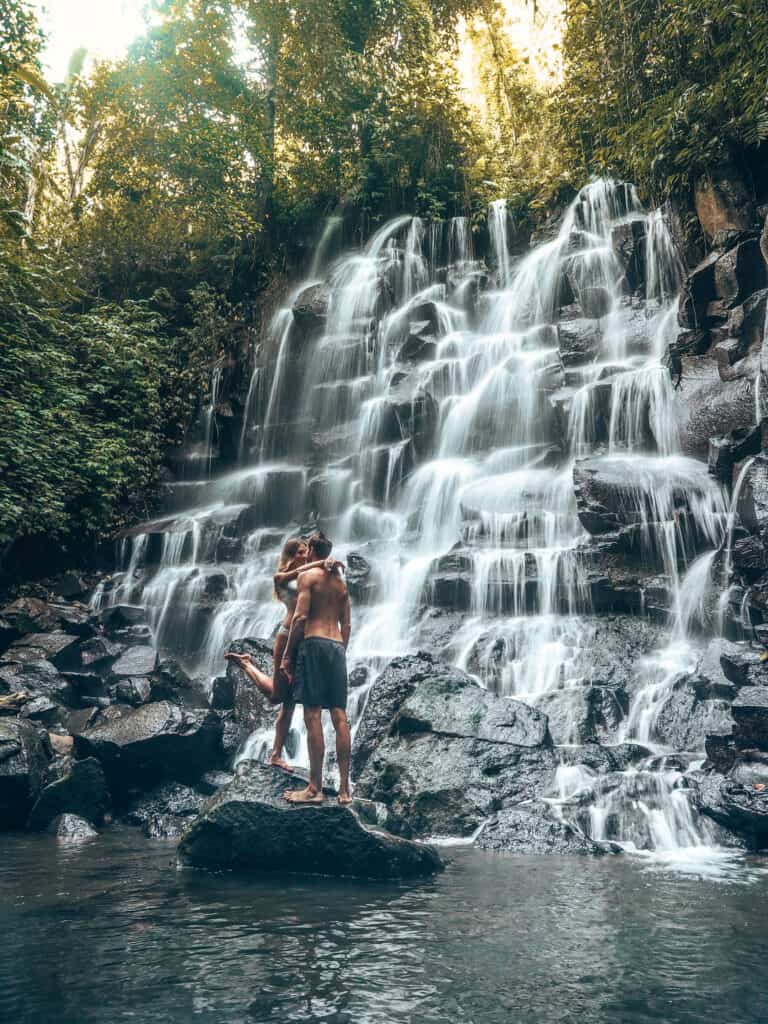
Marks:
<point>436,426</point>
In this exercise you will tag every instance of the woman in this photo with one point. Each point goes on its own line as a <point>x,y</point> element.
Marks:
<point>292,562</point>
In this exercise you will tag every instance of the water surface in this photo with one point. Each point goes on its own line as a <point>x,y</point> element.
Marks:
<point>111,931</point>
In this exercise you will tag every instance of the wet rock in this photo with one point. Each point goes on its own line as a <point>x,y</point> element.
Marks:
<point>721,751</point>
<point>417,413</point>
<point>134,691</point>
<point>726,451</point>
<point>99,652</point>
<point>749,555</point>
<point>222,693</point>
<point>248,825</point>
<point>359,578</point>
<point>628,241</point>
<point>169,681</point>
<point>746,322</point>
<point>136,661</point>
<point>155,741</point>
<point>579,341</point>
<point>42,709</point>
<point>391,688</point>
<point>684,720</point>
<point>58,648</point>
<point>69,828</point>
<point>533,829</point>
<point>36,678</point>
<point>698,292</point>
<point>418,348</point>
<point>310,309</point>
<point>24,756</point>
<point>71,787</point>
<point>68,585</point>
<point>750,713</point>
<point>584,714</point>
<point>595,302</point>
<point>453,754</point>
<point>752,505</point>
<point>736,806</point>
<point>740,272</point>
<point>29,615</point>
<point>121,616</point>
<point>166,811</point>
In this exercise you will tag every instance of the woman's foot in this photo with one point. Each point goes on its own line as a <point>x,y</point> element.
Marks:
<point>234,656</point>
<point>304,796</point>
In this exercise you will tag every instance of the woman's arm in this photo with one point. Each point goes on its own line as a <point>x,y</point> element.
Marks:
<point>324,563</point>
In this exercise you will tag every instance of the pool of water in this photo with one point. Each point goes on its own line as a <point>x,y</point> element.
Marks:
<point>112,931</point>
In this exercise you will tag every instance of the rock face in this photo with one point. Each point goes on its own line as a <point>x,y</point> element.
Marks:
<point>24,756</point>
<point>152,742</point>
<point>532,829</point>
<point>249,826</point>
<point>454,753</point>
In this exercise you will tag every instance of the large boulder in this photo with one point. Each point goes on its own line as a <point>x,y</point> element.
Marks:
<point>738,802</point>
<point>152,742</point>
<point>24,757</point>
<point>454,754</point>
<point>740,271</point>
<point>248,825</point>
<point>707,407</point>
<point>310,308</point>
<point>752,505</point>
<point>390,690</point>
<point>71,787</point>
<point>167,810</point>
<point>724,201</point>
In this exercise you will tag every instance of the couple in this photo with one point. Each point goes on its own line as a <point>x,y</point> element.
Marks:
<point>316,627</point>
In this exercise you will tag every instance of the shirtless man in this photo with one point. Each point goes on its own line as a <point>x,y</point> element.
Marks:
<point>321,626</point>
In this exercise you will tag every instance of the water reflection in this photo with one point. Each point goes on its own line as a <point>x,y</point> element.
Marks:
<point>112,931</point>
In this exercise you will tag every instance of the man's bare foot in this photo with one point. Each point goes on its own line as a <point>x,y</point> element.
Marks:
<point>279,762</point>
<point>303,796</point>
<point>344,799</point>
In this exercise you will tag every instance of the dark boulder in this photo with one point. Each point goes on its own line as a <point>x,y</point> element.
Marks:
<point>721,751</point>
<point>153,742</point>
<point>740,272</point>
<point>724,201</point>
<point>750,713</point>
<point>24,756</point>
<point>134,691</point>
<point>418,348</point>
<point>454,754</point>
<point>122,616</point>
<point>698,292</point>
<point>59,648</point>
<point>417,413</point>
<point>734,447</point>
<point>389,691</point>
<point>310,308</point>
<point>248,825</point>
<point>737,805</point>
<point>222,696</point>
<point>359,578</point>
<point>69,828</point>
<point>35,677</point>
<point>99,652</point>
<point>534,829</point>
<point>135,661</point>
<point>168,809</point>
<point>71,787</point>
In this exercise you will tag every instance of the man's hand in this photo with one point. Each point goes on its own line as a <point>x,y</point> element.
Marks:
<point>286,667</point>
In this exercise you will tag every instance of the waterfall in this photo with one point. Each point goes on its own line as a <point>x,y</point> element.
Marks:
<point>441,441</point>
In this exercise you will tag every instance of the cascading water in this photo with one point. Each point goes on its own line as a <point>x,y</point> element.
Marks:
<point>436,425</point>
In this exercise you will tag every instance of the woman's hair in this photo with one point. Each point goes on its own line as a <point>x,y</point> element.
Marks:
<point>289,551</point>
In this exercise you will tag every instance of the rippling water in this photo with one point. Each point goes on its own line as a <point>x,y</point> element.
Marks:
<point>113,932</point>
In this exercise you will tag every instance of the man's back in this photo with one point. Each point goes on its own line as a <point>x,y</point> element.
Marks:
<point>328,612</point>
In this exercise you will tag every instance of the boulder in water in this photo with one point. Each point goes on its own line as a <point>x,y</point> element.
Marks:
<point>737,804</point>
<point>155,741</point>
<point>24,756</point>
<point>248,825</point>
<point>310,308</point>
<point>70,828</point>
<point>71,787</point>
<point>534,829</point>
<point>168,809</point>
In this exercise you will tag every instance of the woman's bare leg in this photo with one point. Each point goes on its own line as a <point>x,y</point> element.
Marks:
<point>260,679</point>
<point>280,690</point>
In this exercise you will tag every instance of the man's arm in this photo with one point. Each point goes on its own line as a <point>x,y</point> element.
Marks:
<point>346,620</point>
<point>298,622</point>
